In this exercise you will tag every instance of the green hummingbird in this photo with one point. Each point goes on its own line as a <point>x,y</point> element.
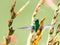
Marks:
<point>37,25</point>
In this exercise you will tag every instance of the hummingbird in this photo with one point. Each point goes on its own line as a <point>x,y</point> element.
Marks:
<point>37,26</point>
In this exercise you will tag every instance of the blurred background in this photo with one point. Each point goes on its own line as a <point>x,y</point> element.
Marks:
<point>24,19</point>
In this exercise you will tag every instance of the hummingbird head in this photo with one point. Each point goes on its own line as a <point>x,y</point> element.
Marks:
<point>37,20</point>
<point>36,24</point>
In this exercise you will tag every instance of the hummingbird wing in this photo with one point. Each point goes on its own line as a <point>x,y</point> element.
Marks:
<point>26,28</point>
<point>48,26</point>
